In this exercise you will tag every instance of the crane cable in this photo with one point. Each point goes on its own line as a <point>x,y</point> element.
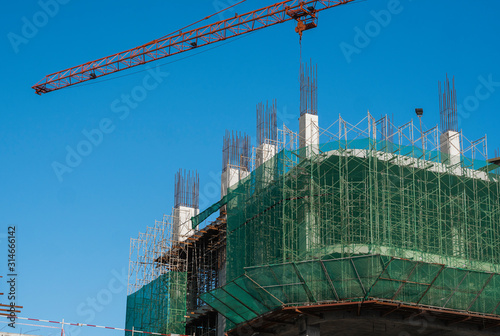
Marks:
<point>177,31</point>
<point>175,61</point>
<point>192,24</point>
<point>189,56</point>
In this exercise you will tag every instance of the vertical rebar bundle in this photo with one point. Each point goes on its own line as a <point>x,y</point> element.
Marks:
<point>308,89</point>
<point>236,150</point>
<point>267,124</point>
<point>187,189</point>
<point>448,106</point>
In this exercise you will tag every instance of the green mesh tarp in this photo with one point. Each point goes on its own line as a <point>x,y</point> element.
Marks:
<point>266,288</point>
<point>431,230</point>
<point>159,306</point>
<point>196,220</point>
<point>365,197</point>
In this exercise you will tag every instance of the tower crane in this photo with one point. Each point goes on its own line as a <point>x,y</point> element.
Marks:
<point>304,12</point>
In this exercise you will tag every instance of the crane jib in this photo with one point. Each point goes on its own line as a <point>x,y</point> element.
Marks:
<point>304,12</point>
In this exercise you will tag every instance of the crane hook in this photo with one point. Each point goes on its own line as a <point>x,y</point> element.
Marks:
<point>301,26</point>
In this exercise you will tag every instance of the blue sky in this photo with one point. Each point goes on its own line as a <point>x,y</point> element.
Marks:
<point>74,230</point>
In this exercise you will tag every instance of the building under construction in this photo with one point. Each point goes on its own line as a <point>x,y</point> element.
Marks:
<point>365,228</point>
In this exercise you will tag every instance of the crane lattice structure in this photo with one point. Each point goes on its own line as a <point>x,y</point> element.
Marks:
<point>304,12</point>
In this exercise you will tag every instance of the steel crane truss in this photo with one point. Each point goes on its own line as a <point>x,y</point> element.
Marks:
<point>185,41</point>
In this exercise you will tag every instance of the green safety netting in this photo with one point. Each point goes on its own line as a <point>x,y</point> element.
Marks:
<point>365,197</point>
<point>356,205</point>
<point>196,220</point>
<point>159,306</point>
<point>266,288</point>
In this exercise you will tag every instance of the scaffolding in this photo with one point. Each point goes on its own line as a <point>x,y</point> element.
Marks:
<point>369,281</point>
<point>156,300</point>
<point>374,188</point>
<point>378,212</point>
<point>362,192</point>
<point>206,261</point>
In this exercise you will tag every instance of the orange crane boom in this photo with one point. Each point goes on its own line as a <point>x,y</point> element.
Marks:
<point>304,12</point>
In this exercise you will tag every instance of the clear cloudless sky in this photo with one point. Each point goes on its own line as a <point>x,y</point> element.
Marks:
<point>73,235</point>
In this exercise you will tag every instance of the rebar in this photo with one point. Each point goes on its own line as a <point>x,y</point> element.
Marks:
<point>267,125</point>
<point>236,150</point>
<point>308,89</point>
<point>448,106</point>
<point>187,189</point>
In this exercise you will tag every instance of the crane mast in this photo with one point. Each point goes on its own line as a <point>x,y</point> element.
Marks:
<point>304,12</point>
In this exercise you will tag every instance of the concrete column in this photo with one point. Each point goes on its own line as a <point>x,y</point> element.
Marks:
<point>310,331</point>
<point>309,133</point>
<point>266,174</point>
<point>182,222</point>
<point>221,320</point>
<point>309,146</point>
<point>264,153</point>
<point>450,147</point>
<point>307,329</point>
<point>221,325</point>
<point>230,176</point>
